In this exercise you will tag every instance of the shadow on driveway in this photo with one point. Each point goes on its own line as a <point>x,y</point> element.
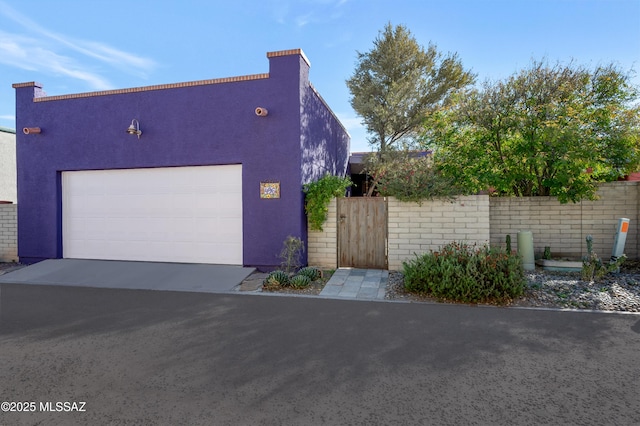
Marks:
<point>187,358</point>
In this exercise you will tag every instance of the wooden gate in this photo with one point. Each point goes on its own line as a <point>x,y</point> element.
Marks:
<point>362,232</point>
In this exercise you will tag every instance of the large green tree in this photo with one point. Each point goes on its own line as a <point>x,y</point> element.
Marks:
<point>398,82</point>
<point>547,130</point>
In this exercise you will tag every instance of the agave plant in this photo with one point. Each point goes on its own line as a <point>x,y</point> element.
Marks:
<point>300,281</point>
<point>276,279</point>
<point>311,272</point>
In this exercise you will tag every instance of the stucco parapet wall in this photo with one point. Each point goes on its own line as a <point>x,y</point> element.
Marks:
<point>41,96</point>
<point>289,52</point>
<point>313,89</point>
<point>27,84</point>
<point>250,77</point>
<point>303,56</point>
<point>150,88</point>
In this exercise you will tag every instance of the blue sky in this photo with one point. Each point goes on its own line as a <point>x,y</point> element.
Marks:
<point>74,46</point>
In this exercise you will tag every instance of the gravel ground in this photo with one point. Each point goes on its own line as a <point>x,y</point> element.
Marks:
<point>9,266</point>
<point>313,289</point>
<point>565,290</point>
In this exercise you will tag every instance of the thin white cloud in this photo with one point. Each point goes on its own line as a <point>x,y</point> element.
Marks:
<point>32,55</point>
<point>303,20</point>
<point>48,47</point>
<point>12,52</point>
<point>7,117</point>
<point>308,12</point>
<point>279,11</point>
<point>115,57</point>
<point>65,66</point>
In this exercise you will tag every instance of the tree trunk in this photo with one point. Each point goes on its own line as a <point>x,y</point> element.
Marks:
<point>372,188</point>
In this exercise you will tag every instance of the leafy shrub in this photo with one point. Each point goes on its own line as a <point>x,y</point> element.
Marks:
<point>318,195</point>
<point>468,274</point>
<point>409,177</point>
<point>311,272</point>
<point>300,281</point>
<point>276,279</point>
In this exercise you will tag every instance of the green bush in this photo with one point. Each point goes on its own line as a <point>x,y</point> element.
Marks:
<point>300,281</point>
<point>469,274</point>
<point>318,195</point>
<point>413,180</point>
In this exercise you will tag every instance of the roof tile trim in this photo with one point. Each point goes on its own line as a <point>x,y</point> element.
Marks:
<point>28,84</point>
<point>147,88</point>
<point>289,53</point>
<point>162,86</point>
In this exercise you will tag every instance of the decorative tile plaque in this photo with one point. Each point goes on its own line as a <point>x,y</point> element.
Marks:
<point>269,189</point>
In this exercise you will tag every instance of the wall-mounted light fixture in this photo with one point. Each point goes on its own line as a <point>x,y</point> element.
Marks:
<point>134,128</point>
<point>261,112</point>
<point>31,130</point>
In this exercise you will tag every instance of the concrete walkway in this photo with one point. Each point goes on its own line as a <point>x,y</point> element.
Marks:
<point>345,283</point>
<point>200,278</point>
<point>349,283</point>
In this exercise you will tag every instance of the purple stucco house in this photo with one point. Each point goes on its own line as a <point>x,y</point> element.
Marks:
<point>199,172</point>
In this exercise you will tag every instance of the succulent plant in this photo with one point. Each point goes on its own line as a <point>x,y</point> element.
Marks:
<point>300,281</point>
<point>311,272</point>
<point>277,279</point>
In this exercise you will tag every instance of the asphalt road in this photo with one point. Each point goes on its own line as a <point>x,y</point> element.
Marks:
<point>151,357</point>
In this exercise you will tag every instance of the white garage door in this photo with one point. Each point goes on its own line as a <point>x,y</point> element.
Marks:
<point>174,214</point>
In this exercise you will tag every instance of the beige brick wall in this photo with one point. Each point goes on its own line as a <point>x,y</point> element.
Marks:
<point>8,233</point>
<point>563,227</point>
<point>322,246</point>
<point>8,187</point>
<point>415,228</point>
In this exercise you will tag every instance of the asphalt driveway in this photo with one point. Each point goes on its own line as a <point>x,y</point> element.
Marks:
<point>149,357</point>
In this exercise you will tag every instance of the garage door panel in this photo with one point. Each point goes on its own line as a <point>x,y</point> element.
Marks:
<point>92,229</point>
<point>222,211</point>
<point>226,199</point>
<point>181,226</point>
<point>183,214</point>
<point>227,225</point>
<point>230,251</point>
